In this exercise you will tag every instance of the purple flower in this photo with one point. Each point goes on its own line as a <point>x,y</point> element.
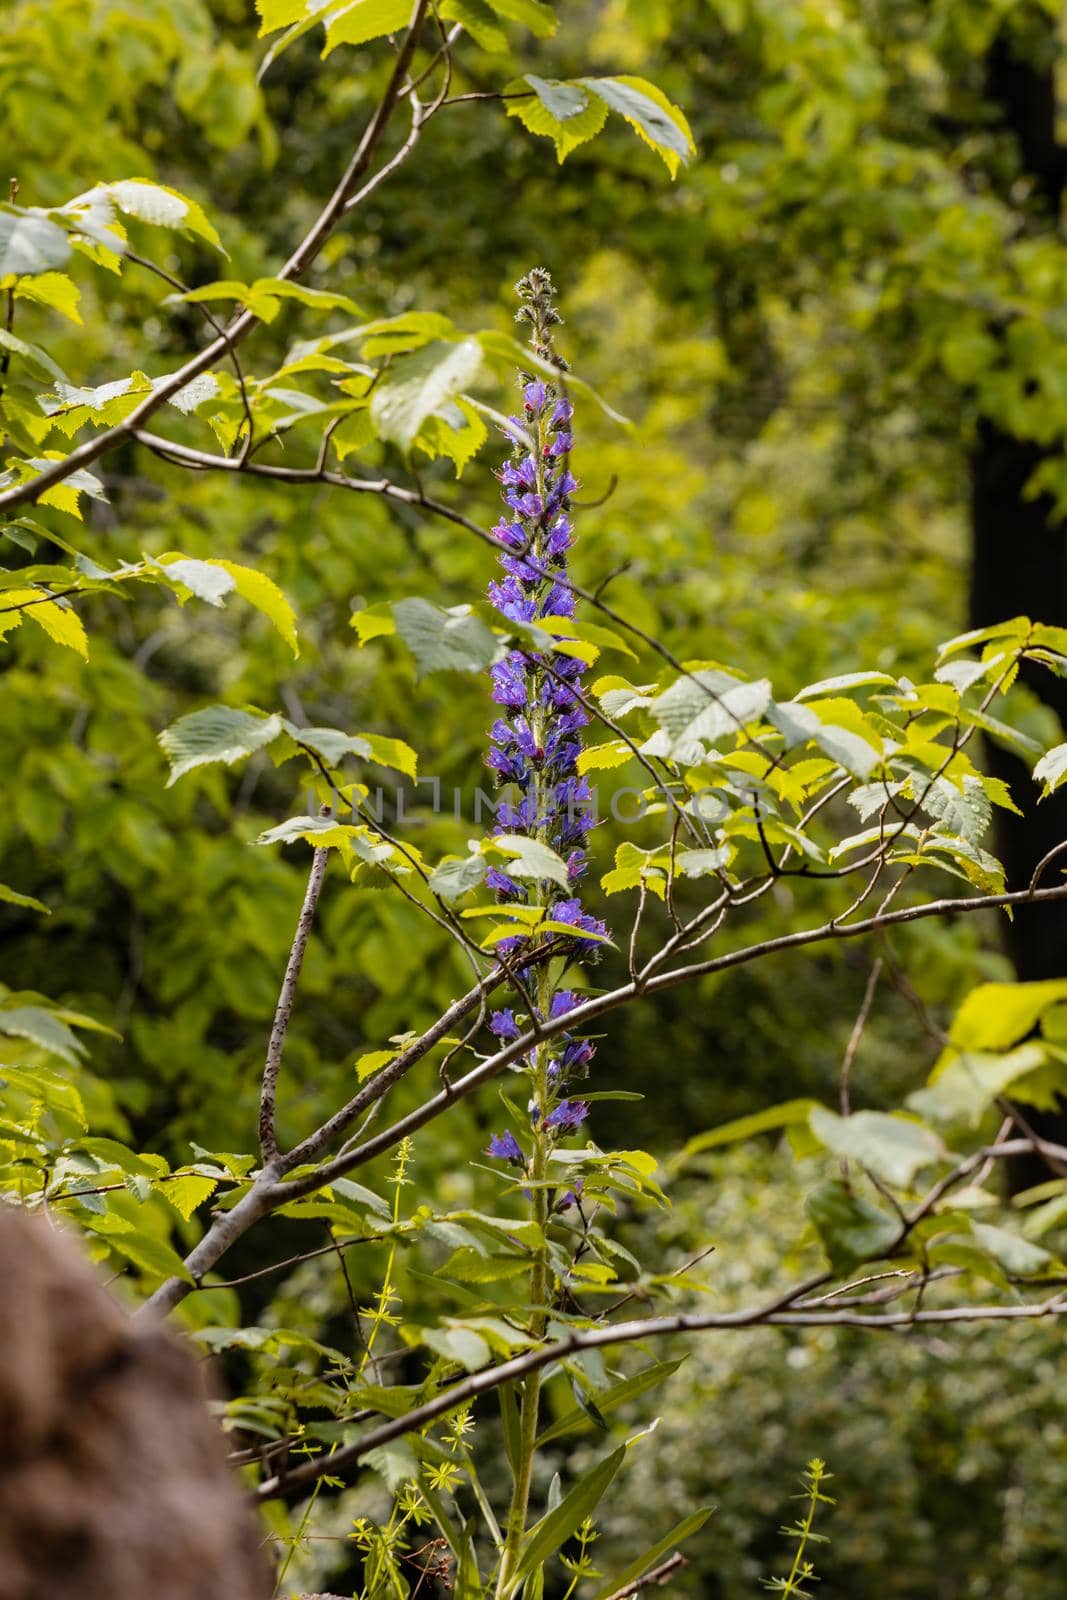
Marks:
<point>511,768</point>
<point>577,1054</point>
<point>500,883</point>
<point>509,681</point>
<point>559,602</point>
<point>558,541</point>
<point>511,602</point>
<point>503,1024</point>
<point>567,1116</point>
<point>511,533</point>
<point>521,474</point>
<point>505,1147</point>
<point>517,819</point>
<point>526,741</point>
<point>574,915</point>
<point>536,743</point>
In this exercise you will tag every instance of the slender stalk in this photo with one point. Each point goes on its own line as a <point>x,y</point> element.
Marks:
<point>268,1138</point>
<point>539,1291</point>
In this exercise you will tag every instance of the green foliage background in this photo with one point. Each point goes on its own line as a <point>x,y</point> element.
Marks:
<point>806,327</point>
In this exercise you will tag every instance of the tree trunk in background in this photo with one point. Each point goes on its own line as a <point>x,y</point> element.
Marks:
<point>1019,567</point>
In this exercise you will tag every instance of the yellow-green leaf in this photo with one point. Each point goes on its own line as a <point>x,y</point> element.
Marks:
<point>263,593</point>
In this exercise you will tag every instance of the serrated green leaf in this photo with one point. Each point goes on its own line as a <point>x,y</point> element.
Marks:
<point>457,875</point>
<point>648,111</point>
<point>52,289</point>
<point>1051,770</point>
<point>162,207</point>
<point>218,733</point>
<point>525,103</point>
<point>453,640</point>
<point>187,1191</point>
<point>42,1028</point>
<point>153,1256</point>
<point>30,243</point>
<point>420,383</point>
<point>530,858</point>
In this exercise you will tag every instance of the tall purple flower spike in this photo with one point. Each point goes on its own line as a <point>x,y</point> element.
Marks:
<point>536,738</point>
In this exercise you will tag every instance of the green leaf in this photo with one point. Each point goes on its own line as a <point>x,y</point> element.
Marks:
<point>848,749</point>
<point>263,593</point>
<point>768,1121</point>
<point>892,1147</point>
<point>458,1344</point>
<point>275,14</point>
<point>553,1530</point>
<point>42,1028</point>
<point>362,20</point>
<point>477,18</point>
<point>532,859</point>
<point>534,111</point>
<point>604,757</point>
<point>187,1191</point>
<point>997,1015</point>
<point>154,1256</point>
<point>218,733</point>
<point>533,14</point>
<point>52,289</point>
<point>509,1418</point>
<point>967,1086</point>
<point>705,707</point>
<point>11,897</point>
<point>30,243</point>
<point>373,1061</point>
<point>37,359</point>
<point>44,1087</point>
<point>699,863</point>
<point>60,622</point>
<point>419,384</point>
<point>395,1463</point>
<point>967,813</point>
<point>608,1400</point>
<point>165,208</point>
<point>560,100</point>
<point>208,580</point>
<point>330,743</point>
<point>670,1541</point>
<point>456,875</point>
<point>321,832</point>
<point>1051,770</point>
<point>453,640</point>
<point>648,111</point>
<point>1015,1254</point>
<point>851,1229</point>
<point>392,753</point>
